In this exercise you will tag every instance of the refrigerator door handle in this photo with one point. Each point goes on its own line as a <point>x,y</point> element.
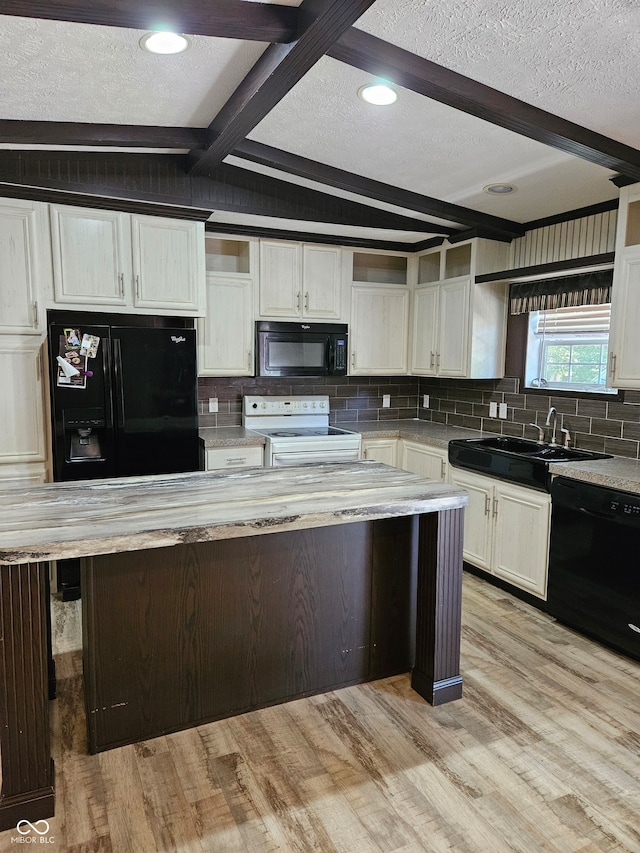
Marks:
<point>118,384</point>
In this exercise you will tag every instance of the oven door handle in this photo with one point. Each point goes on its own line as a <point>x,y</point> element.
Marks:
<point>303,456</point>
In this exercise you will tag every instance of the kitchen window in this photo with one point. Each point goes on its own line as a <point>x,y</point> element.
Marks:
<point>567,349</point>
<point>566,333</point>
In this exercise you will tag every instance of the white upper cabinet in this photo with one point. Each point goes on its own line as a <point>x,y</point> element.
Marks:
<point>117,260</point>
<point>22,437</point>
<point>378,334</point>
<point>226,332</point>
<point>624,352</point>
<point>25,265</point>
<point>459,326</point>
<point>299,281</point>
<point>321,282</point>
<point>168,263</point>
<point>91,255</point>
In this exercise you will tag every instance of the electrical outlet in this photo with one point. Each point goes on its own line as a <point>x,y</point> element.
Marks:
<point>493,410</point>
<point>425,401</point>
<point>213,404</point>
<point>386,401</point>
<point>503,410</point>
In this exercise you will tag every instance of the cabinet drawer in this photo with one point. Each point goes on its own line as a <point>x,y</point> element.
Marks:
<point>234,457</point>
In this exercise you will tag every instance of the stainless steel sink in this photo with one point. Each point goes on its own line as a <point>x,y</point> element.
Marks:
<point>515,459</point>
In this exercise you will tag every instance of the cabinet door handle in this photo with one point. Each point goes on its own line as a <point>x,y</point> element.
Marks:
<point>353,359</point>
<point>495,507</point>
<point>306,301</point>
<point>298,299</point>
<point>443,469</point>
<point>249,360</point>
<point>437,361</point>
<point>35,315</point>
<point>487,504</point>
<point>138,286</point>
<point>121,281</point>
<point>613,365</point>
<point>432,363</point>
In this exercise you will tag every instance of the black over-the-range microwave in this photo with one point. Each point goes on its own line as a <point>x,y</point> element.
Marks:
<point>301,349</point>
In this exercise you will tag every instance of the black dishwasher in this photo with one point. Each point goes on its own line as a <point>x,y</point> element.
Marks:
<point>594,567</point>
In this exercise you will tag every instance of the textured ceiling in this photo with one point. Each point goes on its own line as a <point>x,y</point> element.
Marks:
<point>577,59</point>
<point>54,71</point>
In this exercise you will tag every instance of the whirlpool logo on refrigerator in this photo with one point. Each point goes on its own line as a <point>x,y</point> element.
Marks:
<point>178,339</point>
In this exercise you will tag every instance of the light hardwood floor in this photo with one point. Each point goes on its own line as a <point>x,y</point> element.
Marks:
<point>541,754</point>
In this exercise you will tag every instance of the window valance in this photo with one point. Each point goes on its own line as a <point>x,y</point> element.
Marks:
<point>589,288</point>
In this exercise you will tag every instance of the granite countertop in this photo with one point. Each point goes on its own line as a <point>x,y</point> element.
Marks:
<point>616,473</point>
<point>60,520</point>
<point>232,436</point>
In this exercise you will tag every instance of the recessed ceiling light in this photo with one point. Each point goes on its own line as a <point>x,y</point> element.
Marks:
<point>162,41</point>
<point>499,189</point>
<point>381,94</point>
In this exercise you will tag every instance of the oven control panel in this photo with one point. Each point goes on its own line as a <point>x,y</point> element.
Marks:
<point>259,405</point>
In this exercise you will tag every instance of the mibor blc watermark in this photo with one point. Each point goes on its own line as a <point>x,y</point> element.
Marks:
<point>32,833</point>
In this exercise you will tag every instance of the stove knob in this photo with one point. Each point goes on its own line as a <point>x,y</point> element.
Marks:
<point>304,405</point>
<point>313,405</point>
<point>322,405</point>
<point>263,405</point>
<point>254,405</point>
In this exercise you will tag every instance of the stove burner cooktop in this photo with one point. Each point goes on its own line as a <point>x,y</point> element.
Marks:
<point>301,432</point>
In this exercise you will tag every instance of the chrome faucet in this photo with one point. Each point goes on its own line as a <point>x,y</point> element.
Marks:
<point>540,432</point>
<point>552,412</point>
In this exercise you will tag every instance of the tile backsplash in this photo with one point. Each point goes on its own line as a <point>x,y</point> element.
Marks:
<point>352,398</point>
<point>605,425</point>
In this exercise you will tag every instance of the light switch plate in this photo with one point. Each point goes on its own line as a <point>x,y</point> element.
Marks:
<point>386,401</point>
<point>493,410</point>
<point>425,401</point>
<point>213,404</point>
<point>503,410</point>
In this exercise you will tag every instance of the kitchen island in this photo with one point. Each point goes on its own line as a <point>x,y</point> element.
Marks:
<point>191,612</point>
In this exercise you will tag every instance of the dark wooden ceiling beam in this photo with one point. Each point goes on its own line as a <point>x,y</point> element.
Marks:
<point>274,74</point>
<point>237,19</point>
<point>266,155</point>
<point>410,71</point>
<point>115,135</point>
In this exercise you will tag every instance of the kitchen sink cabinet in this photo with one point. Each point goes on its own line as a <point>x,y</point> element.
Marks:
<point>149,264</point>
<point>300,281</point>
<point>506,530</point>
<point>378,333</point>
<point>383,450</point>
<point>429,462</point>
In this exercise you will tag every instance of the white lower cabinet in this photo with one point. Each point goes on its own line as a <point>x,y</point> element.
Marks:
<point>430,462</point>
<point>233,457</point>
<point>381,450</point>
<point>506,530</point>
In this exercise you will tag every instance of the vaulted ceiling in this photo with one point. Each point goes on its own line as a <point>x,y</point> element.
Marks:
<point>259,126</point>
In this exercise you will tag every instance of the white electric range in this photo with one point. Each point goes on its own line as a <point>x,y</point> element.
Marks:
<point>297,430</point>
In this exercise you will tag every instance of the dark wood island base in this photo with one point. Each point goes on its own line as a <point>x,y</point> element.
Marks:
<point>211,594</point>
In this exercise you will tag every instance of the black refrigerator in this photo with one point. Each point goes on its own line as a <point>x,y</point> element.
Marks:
<point>123,403</point>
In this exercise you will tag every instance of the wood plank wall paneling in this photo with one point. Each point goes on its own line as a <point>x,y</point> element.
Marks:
<point>561,241</point>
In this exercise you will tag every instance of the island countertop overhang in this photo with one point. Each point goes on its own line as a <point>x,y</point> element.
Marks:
<point>79,519</point>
